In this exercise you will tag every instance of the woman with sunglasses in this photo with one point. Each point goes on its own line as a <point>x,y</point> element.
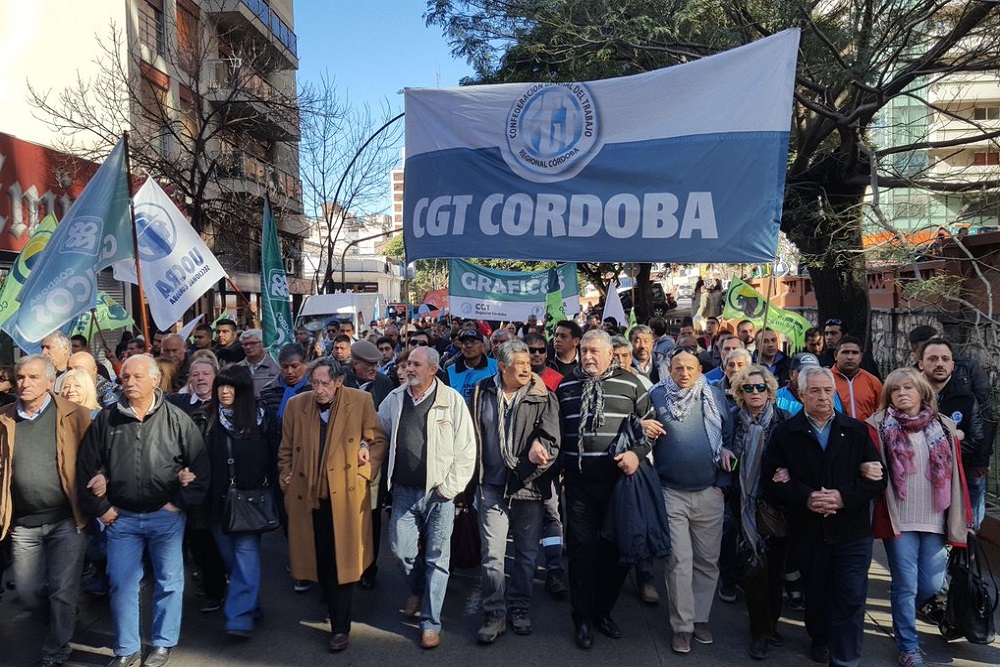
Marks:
<point>926,503</point>
<point>754,389</point>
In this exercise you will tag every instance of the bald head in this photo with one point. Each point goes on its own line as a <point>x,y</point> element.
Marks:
<point>85,362</point>
<point>172,347</point>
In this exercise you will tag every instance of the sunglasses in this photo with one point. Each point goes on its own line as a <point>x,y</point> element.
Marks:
<point>683,349</point>
<point>418,343</point>
<point>760,388</point>
<point>834,323</point>
<point>537,350</point>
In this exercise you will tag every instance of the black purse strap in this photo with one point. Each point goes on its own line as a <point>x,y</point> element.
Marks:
<point>230,462</point>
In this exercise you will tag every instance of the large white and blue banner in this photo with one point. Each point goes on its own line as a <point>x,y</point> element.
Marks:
<point>684,164</point>
<point>481,293</point>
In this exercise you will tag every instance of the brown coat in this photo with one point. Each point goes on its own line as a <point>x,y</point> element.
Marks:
<point>298,457</point>
<point>72,422</point>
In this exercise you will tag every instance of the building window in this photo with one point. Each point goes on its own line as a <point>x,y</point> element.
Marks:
<point>187,40</point>
<point>986,113</point>
<point>986,159</point>
<point>153,26</point>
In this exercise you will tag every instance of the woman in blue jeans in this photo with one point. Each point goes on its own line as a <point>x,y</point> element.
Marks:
<point>926,503</point>
<point>235,421</point>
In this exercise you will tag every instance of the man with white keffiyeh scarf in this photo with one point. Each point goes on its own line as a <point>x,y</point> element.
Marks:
<point>693,459</point>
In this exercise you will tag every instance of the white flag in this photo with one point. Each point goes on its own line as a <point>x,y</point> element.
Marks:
<point>613,306</point>
<point>177,266</point>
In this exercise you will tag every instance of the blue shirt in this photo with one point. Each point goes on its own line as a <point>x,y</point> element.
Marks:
<point>822,433</point>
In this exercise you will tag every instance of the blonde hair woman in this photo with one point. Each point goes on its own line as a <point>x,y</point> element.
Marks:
<point>924,506</point>
<point>78,387</point>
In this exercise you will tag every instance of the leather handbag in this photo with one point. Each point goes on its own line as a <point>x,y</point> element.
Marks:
<point>969,609</point>
<point>248,510</point>
<point>771,519</point>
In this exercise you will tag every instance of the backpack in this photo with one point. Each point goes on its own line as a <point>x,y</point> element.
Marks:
<point>970,605</point>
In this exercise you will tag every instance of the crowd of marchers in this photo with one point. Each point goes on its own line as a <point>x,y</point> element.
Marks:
<point>708,461</point>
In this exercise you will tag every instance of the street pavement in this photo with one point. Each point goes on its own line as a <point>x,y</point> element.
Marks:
<point>292,631</point>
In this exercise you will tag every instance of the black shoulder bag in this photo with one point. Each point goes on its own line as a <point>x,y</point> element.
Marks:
<point>970,606</point>
<point>247,511</point>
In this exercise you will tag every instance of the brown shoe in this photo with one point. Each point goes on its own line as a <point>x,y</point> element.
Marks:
<point>681,642</point>
<point>429,639</point>
<point>412,606</point>
<point>338,642</point>
<point>702,634</point>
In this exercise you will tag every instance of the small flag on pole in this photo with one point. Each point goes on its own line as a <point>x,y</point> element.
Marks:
<point>554,308</point>
<point>277,312</point>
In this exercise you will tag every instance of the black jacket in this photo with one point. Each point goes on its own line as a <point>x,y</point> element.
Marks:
<point>141,459</point>
<point>253,460</point>
<point>793,446</point>
<point>536,416</point>
<point>379,388</point>
<point>957,401</point>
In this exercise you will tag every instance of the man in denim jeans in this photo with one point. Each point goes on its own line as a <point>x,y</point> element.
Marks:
<point>432,454</point>
<point>38,499</point>
<point>144,463</point>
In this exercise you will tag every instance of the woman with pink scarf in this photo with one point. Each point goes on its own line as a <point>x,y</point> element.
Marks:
<point>925,504</point>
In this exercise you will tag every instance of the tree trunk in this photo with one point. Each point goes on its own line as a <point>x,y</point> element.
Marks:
<point>643,294</point>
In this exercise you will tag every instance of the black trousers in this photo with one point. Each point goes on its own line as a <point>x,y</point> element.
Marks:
<point>595,576</point>
<point>338,596</point>
<point>763,584</point>
<point>206,556</point>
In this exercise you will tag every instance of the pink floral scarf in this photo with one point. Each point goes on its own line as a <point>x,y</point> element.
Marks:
<point>894,430</point>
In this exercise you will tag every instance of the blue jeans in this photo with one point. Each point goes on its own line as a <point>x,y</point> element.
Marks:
<point>977,497</point>
<point>917,563</point>
<point>241,554</point>
<point>161,533</point>
<point>522,519</point>
<point>47,563</point>
<point>418,514</point>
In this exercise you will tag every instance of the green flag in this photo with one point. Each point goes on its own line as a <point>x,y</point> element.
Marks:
<point>110,316</point>
<point>554,311</point>
<point>743,302</point>
<point>277,312</point>
<point>22,265</point>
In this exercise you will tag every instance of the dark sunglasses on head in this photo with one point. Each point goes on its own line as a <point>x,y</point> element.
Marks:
<point>760,388</point>
<point>419,343</point>
<point>834,323</point>
<point>537,350</point>
<point>683,349</point>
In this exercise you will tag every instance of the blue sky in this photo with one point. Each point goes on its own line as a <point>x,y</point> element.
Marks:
<point>373,48</point>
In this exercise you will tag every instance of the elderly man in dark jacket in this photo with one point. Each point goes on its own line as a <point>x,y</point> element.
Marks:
<point>152,457</point>
<point>812,468</point>
<point>517,439</point>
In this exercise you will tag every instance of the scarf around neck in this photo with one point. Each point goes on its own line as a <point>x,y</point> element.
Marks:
<point>895,430</point>
<point>290,391</point>
<point>592,400</point>
<point>680,401</point>
<point>753,434</point>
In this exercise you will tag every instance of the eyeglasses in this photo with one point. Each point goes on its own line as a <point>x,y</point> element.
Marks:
<point>834,323</point>
<point>418,343</point>
<point>537,350</point>
<point>682,349</point>
<point>760,388</point>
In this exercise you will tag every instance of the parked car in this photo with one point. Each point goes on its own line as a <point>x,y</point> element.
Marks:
<point>663,301</point>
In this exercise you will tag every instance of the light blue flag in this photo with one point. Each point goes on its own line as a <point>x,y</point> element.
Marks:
<point>94,234</point>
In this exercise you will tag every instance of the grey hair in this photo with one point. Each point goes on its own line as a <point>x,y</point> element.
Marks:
<point>640,329</point>
<point>59,338</point>
<point>619,342</point>
<point>809,371</point>
<point>252,334</point>
<point>738,352</point>
<point>172,336</point>
<point>50,370</point>
<point>204,361</point>
<point>599,335</point>
<point>433,356</point>
<point>506,352</point>
<point>501,333</point>
<point>154,369</point>
<point>332,366</point>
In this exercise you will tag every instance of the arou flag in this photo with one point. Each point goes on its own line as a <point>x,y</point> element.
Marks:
<point>682,164</point>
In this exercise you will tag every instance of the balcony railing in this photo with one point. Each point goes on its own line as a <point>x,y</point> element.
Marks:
<point>278,28</point>
<point>242,165</point>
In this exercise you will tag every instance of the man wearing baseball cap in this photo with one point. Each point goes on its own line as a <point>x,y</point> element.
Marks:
<point>787,397</point>
<point>472,365</point>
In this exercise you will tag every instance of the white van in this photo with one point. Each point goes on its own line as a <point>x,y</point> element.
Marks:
<point>318,309</point>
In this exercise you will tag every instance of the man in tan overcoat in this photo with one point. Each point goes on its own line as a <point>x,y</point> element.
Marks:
<point>331,446</point>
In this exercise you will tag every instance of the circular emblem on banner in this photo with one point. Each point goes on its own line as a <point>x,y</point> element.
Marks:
<point>537,311</point>
<point>25,262</point>
<point>466,308</point>
<point>155,232</point>
<point>746,301</point>
<point>552,131</point>
<point>279,284</point>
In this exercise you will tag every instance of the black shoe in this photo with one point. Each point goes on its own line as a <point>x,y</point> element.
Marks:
<point>584,635</point>
<point>775,639</point>
<point>819,653</point>
<point>555,585</point>
<point>49,662</point>
<point>367,582</point>
<point>609,628</point>
<point>210,605</point>
<point>758,649</point>
<point>158,657</point>
<point>126,660</point>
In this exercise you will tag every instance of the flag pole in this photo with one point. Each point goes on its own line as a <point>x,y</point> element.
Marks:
<point>239,292</point>
<point>135,244</point>
<point>770,287</point>
<point>95,323</point>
